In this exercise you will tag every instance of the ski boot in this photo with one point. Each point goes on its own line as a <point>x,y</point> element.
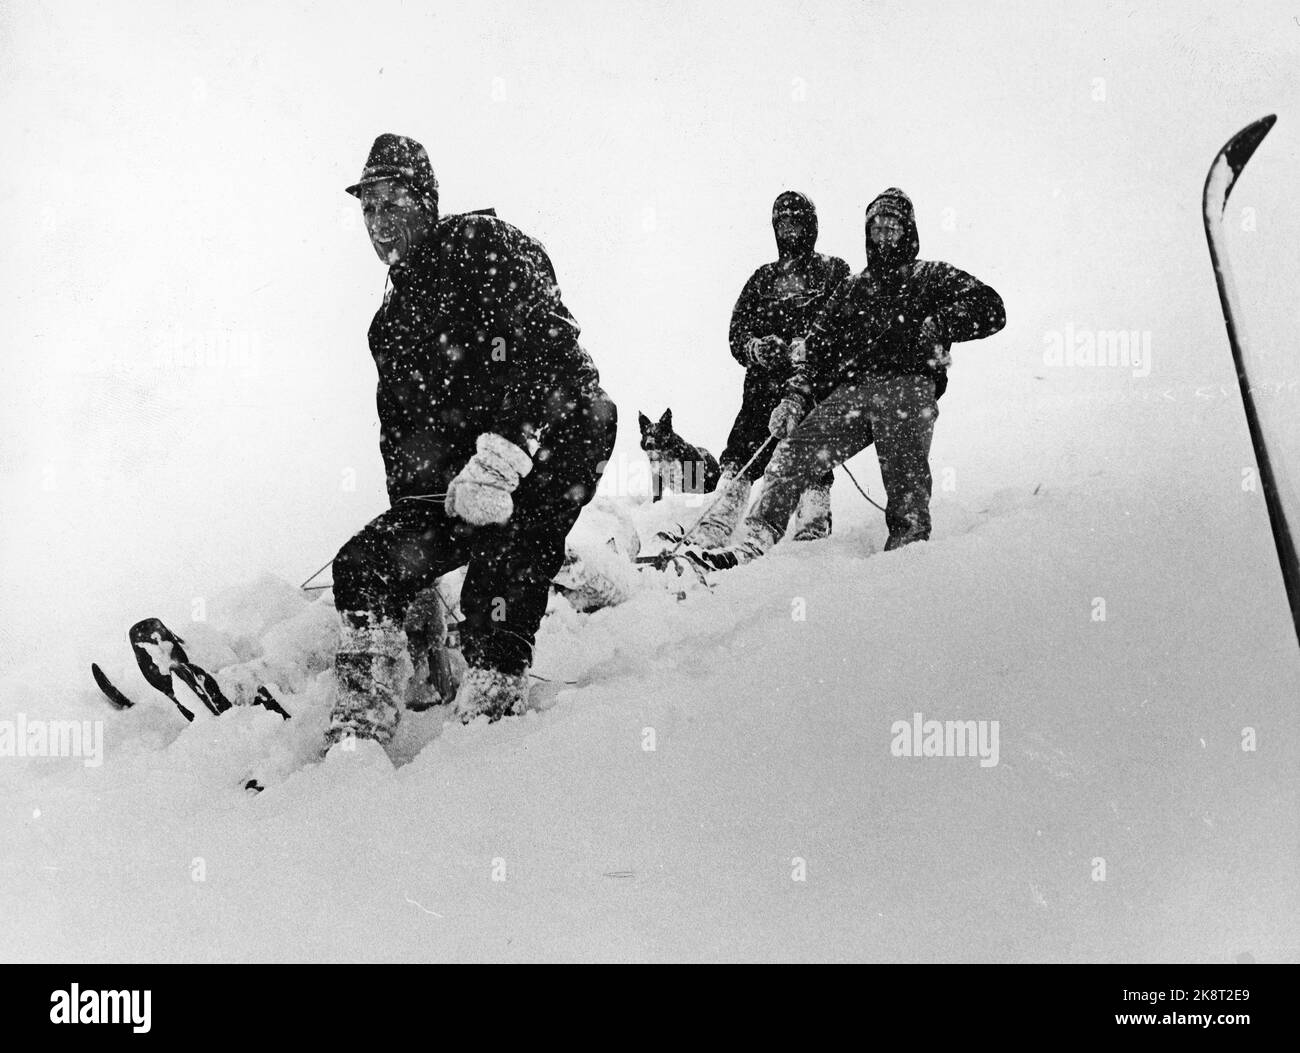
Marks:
<point>759,539</point>
<point>372,668</point>
<point>437,665</point>
<point>490,693</point>
<point>717,524</point>
<point>812,519</point>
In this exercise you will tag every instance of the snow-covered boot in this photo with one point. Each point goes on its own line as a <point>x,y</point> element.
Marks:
<point>437,666</point>
<point>371,669</point>
<point>812,519</point>
<point>717,525</point>
<point>759,538</point>
<point>490,693</point>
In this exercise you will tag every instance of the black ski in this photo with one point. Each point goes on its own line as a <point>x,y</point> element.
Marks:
<point>710,559</point>
<point>160,653</point>
<point>266,700</point>
<point>119,700</point>
<point>1219,182</point>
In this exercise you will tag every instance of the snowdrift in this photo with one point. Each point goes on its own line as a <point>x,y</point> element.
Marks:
<point>716,776</point>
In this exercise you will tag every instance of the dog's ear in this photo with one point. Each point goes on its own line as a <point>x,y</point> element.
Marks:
<point>666,421</point>
<point>644,421</point>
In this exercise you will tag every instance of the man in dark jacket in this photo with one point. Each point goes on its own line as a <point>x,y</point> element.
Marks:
<point>873,365</point>
<point>776,306</point>
<point>494,432</point>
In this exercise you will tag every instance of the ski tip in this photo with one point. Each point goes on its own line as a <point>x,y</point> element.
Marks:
<point>1241,146</point>
<point>151,630</point>
<point>119,700</point>
<point>1229,163</point>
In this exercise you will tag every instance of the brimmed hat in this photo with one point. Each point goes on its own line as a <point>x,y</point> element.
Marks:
<point>402,158</point>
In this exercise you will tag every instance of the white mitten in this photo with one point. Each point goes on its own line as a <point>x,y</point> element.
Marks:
<point>480,494</point>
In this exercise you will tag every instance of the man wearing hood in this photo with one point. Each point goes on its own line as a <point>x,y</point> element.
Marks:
<point>494,432</point>
<point>776,307</point>
<point>873,366</point>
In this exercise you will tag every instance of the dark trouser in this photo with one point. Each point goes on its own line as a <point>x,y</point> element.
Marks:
<point>510,566</point>
<point>762,393</point>
<point>899,413</point>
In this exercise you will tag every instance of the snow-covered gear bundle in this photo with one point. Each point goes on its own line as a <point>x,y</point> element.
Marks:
<point>600,558</point>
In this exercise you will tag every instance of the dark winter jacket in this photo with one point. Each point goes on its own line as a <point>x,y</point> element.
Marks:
<point>472,337</point>
<point>870,325</point>
<point>782,298</point>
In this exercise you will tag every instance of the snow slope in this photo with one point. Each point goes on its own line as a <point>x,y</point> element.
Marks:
<point>188,399</point>
<point>1119,740</point>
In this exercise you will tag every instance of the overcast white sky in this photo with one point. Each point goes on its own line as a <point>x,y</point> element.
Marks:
<point>185,288</point>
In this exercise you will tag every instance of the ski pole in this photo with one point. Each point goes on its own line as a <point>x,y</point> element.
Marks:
<point>306,586</point>
<point>318,573</point>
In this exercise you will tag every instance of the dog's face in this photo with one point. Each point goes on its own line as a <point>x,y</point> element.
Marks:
<point>656,435</point>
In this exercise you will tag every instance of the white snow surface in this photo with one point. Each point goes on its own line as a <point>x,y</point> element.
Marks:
<point>560,835</point>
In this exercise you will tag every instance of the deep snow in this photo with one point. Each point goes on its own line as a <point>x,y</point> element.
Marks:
<point>1119,740</point>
